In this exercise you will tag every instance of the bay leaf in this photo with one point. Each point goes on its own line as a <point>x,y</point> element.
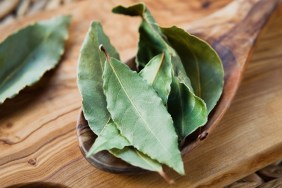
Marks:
<point>156,73</point>
<point>151,44</point>
<point>90,69</point>
<point>27,54</point>
<point>107,139</point>
<point>150,41</point>
<point>137,158</point>
<point>110,139</point>
<point>90,83</point>
<point>188,111</point>
<point>138,9</point>
<point>201,63</point>
<point>150,131</point>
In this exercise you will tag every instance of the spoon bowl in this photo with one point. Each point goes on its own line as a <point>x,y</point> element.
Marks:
<point>232,32</point>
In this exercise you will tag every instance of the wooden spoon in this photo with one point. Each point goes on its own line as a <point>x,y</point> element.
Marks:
<point>232,31</point>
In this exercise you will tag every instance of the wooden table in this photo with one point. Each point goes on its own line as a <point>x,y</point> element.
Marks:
<point>37,128</point>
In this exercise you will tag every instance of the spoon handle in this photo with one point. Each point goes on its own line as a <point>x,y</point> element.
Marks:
<point>235,27</point>
<point>232,31</point>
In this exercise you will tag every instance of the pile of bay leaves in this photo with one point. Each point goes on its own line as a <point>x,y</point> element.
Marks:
<point>141,117</point>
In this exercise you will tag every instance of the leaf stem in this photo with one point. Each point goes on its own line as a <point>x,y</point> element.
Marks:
<point>101,48</point>
<point>166,177</point>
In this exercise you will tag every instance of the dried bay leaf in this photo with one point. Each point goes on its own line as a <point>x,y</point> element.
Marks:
<point>156,74</point>
<point>27,54</point>
<point>90,69</point>
<point>90,83</point>
<point>183,105</point>
<point>151,44</point>
<point>201,63</point>
<point>188,111</point>
<point>150,40</point>
<point>137,158</point>
<point>150,131</point>
<point>110,139</point>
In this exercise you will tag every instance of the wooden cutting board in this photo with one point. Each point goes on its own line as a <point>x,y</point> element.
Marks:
<point>37,128</point>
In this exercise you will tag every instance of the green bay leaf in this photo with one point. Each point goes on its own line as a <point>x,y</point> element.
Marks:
<point>201,63</point>
<point>150,41</point>
<point>188,111</point>
<point>137,158</point>
<point>90,83</point>
<point>27,54</point>
<point>90,70</point>
<point>108,138</point>
<point>157,73</point>
<point>150,45</point>
<point>138,9</point>
<point>151,131</point>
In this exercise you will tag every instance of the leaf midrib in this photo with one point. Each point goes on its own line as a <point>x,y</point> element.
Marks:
<point>135,108</point>
<point>144,159</point>
<point>158,69</point>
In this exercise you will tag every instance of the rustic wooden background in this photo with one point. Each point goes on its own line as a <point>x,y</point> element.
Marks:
<point>265,62</point>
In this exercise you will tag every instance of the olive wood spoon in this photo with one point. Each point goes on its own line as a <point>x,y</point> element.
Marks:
<point>232,31</point>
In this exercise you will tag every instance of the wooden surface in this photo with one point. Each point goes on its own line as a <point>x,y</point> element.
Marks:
<point>14,9</point>
<point>37,128</point>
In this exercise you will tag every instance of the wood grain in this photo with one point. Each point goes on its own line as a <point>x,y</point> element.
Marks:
<point>7,6</point>
<point>37,128</point>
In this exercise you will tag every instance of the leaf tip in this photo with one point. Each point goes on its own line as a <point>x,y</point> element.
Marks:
<point>89,154</point>
<point>132,10</point>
